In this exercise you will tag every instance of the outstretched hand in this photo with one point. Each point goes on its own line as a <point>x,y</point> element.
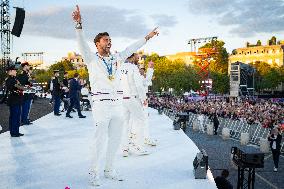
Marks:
<point>152,33</point>
<point>77,15</point>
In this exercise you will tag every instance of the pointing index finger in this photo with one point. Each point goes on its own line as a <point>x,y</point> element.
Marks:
<point>77,7</point>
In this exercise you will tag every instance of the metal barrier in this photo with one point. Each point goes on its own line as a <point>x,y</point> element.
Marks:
<point>236,127</point>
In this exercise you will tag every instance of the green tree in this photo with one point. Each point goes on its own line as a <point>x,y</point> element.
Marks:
<point>62,66</point>
<point>41,75</point>
<point>258,43</point>
<point>173,74</point>
<point>267,77</point>
<point>220,65</point>
<point>221,83</point>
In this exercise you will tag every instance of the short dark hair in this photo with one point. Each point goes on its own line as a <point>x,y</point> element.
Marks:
<point>130,57</point>
<point>225,173</point>
<point>99,36</point>
<point>76,75</point>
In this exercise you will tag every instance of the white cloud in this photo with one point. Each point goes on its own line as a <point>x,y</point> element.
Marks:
<point>57,22</point>
<point>246,17</point>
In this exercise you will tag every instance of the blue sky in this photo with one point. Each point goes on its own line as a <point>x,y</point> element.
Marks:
<point>49,28</point>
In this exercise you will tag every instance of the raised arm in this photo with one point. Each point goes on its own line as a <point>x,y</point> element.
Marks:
<point>138,79</point>
<point>149,74</point>
<point>83,46</point>
<point>137,45</point>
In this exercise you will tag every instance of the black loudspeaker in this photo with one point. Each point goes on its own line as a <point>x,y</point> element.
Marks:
<point>247,160</point>
<point>19,22</point>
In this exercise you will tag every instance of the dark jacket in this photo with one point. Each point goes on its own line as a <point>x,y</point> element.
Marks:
<point>56,87</point>
<point>15,96</point>
<point>65,82</point>
<point>215,120</point>
<point>74,88</point>
<point>23,78</point>
<point>278,141</point>
<point>223,183</point>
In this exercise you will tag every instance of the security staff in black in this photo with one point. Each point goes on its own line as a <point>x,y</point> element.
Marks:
<point>74,94</point>
<point>56,93</point>
<point>14,101</point>
<point>24,78</point>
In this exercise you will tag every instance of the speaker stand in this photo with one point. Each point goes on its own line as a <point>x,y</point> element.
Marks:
<point>246,183</point>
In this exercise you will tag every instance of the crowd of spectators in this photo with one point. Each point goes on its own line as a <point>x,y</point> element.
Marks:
<point>267,113</point>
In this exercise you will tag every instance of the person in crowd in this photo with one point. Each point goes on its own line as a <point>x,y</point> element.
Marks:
<point>14,101</point>
<point>275,144</point>
<point>65,92</point>
<point>215,123</point>
<point>222,182</point>
<point>56,93</point>
<point>24,79</point>
<point>263,112</point>
<point>74,94</point>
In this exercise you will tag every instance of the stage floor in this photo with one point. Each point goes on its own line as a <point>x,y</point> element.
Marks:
<point>55,153</point>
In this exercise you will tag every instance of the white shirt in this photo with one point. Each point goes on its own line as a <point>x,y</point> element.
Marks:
<point>133,83</point>
<point>102,87</point>
<point>85,91</point>
<point>148,79</point>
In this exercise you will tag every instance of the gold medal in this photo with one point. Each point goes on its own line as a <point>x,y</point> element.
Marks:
<point>111,77</point>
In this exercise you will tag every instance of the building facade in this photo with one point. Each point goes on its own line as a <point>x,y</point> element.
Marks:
<point>272,54</point>
<point>35,59</point>
<point>187,57</point>
<point>75,58</point>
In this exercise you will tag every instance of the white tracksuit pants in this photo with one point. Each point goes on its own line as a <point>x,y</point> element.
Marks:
<point>146,123</point>
<point>109,128</point>
<point>134,112</point>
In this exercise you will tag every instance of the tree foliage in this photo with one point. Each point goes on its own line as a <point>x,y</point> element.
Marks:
<point>220,65</point>
<point>267,76</point>
<point>173,74</point>
<point>62,66</point>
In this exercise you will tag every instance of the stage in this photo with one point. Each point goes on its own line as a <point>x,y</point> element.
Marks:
<point>56,153</point>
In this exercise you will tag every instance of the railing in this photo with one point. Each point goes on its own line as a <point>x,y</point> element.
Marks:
<point>236,127</point>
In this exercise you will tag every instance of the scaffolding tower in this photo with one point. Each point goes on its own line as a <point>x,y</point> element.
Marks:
<point>5,37</point>
<point>203,58</point>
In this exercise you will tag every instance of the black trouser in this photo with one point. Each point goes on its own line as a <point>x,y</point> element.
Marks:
<point>14,119</point>
<point>275,155</point>
<point>66,103</point>
<point>74,103</point>
<point>215,128</point>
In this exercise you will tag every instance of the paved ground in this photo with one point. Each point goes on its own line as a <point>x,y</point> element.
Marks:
<point>40,108</point>
<point>218,152</point>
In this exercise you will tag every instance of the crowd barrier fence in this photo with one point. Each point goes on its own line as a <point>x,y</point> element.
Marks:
<point>236,127</point>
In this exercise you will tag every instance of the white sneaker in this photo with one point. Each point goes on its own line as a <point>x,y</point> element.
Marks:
<point>275,169</point>
<point>125,153</point>
<point>150,142</point>
<point>94,178</point>
<point>140,152</point>
<point>112,175</point>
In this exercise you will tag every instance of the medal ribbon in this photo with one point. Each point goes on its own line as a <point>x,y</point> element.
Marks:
<point>109,67</point>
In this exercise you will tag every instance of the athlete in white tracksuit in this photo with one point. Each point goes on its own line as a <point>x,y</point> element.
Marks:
<point>147,81</point>
<point>133,97</point>
<point>105,76</point>
<point>138,130</point>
